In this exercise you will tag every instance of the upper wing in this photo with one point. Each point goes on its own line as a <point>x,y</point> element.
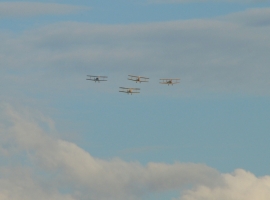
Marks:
<point>169,79</point>
<point>129,88</point>
<point>138,76</point>
<point>137,80</point>
<point>144,77</point>
<point>98,76</point>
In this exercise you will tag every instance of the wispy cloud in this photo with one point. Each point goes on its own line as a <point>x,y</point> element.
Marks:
<point>258,17</point>
<point>223,55</point>
<point>27,9</point>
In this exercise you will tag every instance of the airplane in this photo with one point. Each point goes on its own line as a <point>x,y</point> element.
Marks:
<point>97,78</point>
<point>129,90</point>
<point>169,81</point>
<point>138,78</point>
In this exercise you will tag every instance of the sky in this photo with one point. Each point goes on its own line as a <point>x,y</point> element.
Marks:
<point>66,138</point>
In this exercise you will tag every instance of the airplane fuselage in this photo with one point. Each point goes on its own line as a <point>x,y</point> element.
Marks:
<point>170,82</point>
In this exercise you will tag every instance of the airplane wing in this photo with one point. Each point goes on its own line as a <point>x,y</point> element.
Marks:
<point>138,76</point>
<point>98,76</point>
<point>164,83</point>
<point>95,80</point>
<point>137,80</point>
<point>169,79</point>
<point>165,79</point>
<point>129,92</point>
<point>169,83</point>
<point>144,77</point>
<point>129,88</point>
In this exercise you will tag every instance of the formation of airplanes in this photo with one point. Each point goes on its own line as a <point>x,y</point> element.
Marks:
<point>140,79</point>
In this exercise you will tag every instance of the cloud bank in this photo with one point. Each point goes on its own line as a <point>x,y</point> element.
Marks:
<point>29,9</point>
<point>71,168</point>
<point>38,165</point>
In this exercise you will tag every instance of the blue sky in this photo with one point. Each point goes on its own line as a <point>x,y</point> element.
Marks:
<point>67,138</point>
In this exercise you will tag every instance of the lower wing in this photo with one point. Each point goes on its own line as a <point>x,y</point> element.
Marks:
<point>95,80</point>
<point>143,81</point>
<point>164,83</point>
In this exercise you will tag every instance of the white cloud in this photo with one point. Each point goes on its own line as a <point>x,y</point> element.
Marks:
<point>239,185</point>
<point>27,9</point>
<point>18,183</point>
<point>85,176</point>
<point>44,167</point>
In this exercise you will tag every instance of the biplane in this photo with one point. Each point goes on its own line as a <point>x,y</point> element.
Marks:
<point>129,90</point>
<point>169,81</point>
<point>138,78</point>
<point>97,78</point>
